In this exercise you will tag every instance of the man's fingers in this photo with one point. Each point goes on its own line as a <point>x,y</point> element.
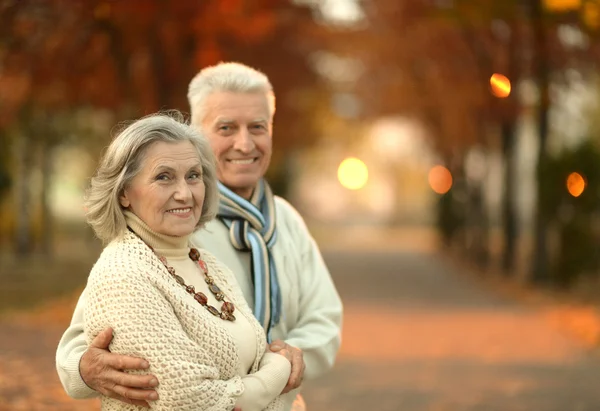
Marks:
<point>135,394</point>
<point>298,364</point>
<point>132,381</point>
<point>125,362</point>
<point>103,339</point>
<point>277,345</point>
<point>297,369</point>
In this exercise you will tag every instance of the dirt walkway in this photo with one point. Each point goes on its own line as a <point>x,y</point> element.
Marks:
<point>419,336</point>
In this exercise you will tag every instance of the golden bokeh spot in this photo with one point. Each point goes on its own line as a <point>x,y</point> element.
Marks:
<point>500,85</point>
<point>575,184</point>
<point>591,15</point>
<point>440,179</point>
<point>561,5</point>
<point>353,173</point>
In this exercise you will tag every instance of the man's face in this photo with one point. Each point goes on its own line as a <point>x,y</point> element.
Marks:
<point>239,128</point>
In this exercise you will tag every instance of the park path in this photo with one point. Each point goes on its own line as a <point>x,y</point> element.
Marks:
<point>419,335</point>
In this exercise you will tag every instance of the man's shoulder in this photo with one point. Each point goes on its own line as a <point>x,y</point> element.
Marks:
<point>290,218</point>
<point>284,208</point>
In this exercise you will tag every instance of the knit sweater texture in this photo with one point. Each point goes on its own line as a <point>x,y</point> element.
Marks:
<point>193,353</point>
<point>312,309</point>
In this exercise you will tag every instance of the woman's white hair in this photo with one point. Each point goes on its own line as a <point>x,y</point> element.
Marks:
<point>124,159</point>
<point>233,77</point>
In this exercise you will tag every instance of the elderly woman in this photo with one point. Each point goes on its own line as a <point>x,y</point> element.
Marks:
<point>166,301</point>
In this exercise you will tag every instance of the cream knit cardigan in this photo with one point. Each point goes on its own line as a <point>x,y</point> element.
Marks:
<point>154,318</point>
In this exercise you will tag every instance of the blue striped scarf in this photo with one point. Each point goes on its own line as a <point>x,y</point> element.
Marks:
<point>252,228</point>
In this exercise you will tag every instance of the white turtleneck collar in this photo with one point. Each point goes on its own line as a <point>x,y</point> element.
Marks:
<point>170,247</point>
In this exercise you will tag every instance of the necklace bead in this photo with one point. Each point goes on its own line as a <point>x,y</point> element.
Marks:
<point>201,298</point>
<point>227,308</point>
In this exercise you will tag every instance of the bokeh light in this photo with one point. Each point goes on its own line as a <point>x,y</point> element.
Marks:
<point>561,6</point>
<point>440,179</point>
<point>500,85</point>
<point>575,184</point>
<point>353,173</point>
<point>591,15</point>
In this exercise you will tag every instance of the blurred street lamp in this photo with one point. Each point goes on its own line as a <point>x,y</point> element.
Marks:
<point>500,85</point>
<point>562,5</point>
<point>440,179</point>
<point>353,173</point>
<point>575,184</point>
<point>591,15</point>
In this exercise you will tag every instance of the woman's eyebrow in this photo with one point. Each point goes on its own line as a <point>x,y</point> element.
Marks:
<point>162,167</point>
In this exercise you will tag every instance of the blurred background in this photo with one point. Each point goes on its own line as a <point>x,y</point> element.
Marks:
<point>415,135</point>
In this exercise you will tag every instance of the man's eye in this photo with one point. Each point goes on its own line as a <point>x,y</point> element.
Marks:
<point>225,128</point>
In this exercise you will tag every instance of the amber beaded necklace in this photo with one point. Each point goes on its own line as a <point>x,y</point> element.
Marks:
<point>227,308</point>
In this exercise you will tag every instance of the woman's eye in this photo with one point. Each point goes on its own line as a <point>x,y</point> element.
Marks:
<point>162,177</point>
<point>195,176</point>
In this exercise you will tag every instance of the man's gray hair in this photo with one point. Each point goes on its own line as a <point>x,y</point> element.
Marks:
<point>233,77</point>
<point>124,159</point>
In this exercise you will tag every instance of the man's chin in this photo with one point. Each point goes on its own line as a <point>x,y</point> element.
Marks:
<point>242,188</point>
<point>246,182</point>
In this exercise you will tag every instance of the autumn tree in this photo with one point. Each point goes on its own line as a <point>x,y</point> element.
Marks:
<point>61,59</point>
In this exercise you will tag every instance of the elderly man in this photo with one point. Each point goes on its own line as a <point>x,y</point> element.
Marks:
<point>259,236</point>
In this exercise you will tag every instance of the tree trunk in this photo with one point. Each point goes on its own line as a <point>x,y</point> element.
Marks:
<point>541,75</point>
<point>510,114</point>
<point>47,237</point>
<point>23,196</point>
<point>509,212</point>
<point>479,226</point>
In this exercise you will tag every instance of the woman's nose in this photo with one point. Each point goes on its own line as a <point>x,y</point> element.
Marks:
<point>182,191</point>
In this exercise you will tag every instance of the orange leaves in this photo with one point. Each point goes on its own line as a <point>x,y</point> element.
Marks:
<point>241,20</point>
<point>230,8</point>
<point>207,54</point>
<point>138,53</point>
<point>261,25</point>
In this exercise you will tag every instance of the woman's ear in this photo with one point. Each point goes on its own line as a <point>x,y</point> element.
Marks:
<point>124,200</point>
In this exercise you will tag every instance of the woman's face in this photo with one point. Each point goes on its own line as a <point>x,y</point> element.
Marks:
<point>168,192</point>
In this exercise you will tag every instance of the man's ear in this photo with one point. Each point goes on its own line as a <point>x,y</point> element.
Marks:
<point>124,200</point>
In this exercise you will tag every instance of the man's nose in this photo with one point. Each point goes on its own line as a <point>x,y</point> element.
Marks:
<point>244,142</point>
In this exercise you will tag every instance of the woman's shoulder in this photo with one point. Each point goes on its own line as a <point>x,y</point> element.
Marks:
<point>127,257</point>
